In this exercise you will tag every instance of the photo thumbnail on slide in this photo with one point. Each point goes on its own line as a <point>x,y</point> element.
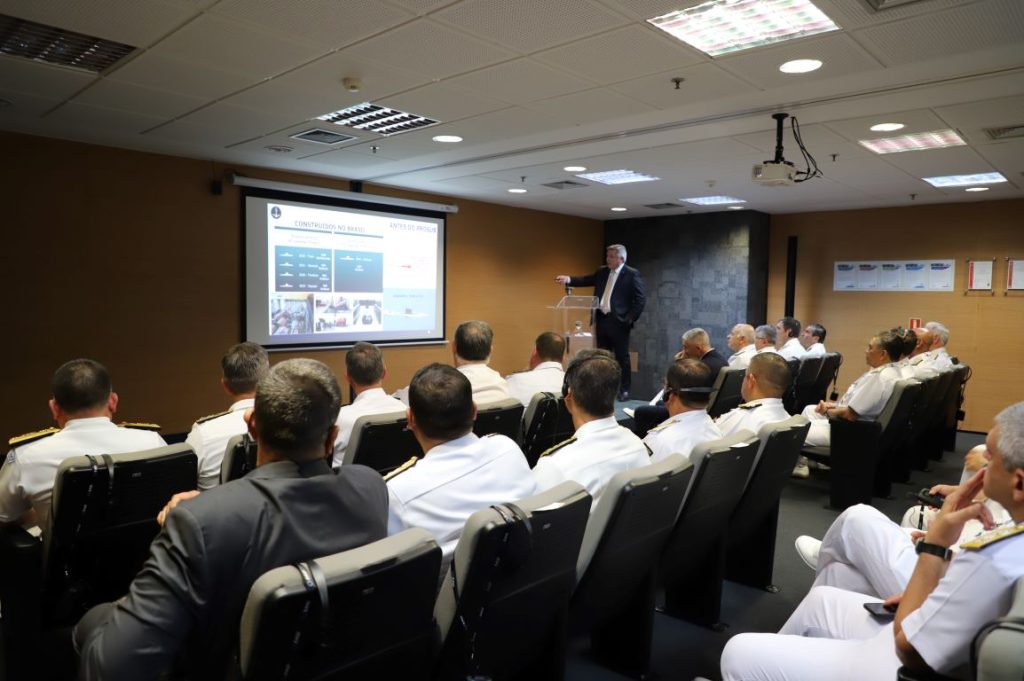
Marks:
<point>291,314</point>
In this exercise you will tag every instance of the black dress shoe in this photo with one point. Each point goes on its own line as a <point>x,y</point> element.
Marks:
<point>623,396</point>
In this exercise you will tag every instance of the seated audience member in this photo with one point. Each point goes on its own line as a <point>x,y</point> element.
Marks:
<point>944,604</point>
<point>189,596</point>
<point>812,338</point>
<point>600,448</point>
<point>545,374</point>
<point>763,386</point>
<point>242,366</point>
<point>741,342</point>
<point>82,405</point>
<point>687,390</point>
<point>697,345</point>
<point>459,473</point>
<point>908,341</point>
<point>919,365</point>
<point>365,372</point>
<point>941,361</point>
<point>764,339</point>
<point>865,398</point>
<point>787,338</point>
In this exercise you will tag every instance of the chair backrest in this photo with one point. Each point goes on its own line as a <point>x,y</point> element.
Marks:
<point>807,381</point>
<point>363,613</point>
<point>504,417</point>
<point>828,374</point>
<point>627,531</point>
<point>725,395</point>
<point>102,521</point>
<point>546,423</point>
<point>954,400</point>
<point>382,442</point>
<point>1001,646</point>
<point>506,598</point>
<point>895,415</point>
<point>239,458</point>
<point>927,402</point>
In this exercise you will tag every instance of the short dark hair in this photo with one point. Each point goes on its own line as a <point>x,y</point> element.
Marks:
<point>908,340</point>
<point>772,373</point>
<point>550,346</point>
<point>243,365</point>
<point>594,377</point>
<point>791,325</point>
<point>818,331</point>
<point>473,340</point>
<point>364,363</point>
<point>689,373</point>
<point>80,384</point>
<point>296,405</point>
<point>891,343</point>
<point>441,400</point>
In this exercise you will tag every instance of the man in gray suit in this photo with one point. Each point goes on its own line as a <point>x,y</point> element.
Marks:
<point>190,593</point>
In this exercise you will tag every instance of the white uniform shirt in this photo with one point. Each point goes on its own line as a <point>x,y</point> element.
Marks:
<point>977,588</point>
<point>680,434</point>
<point>369,402</point>
<point>597,451</point>
<point>792,350</point>
<point>209,438</point>
<point>455,480</point>
<point>816,350</point>
<point>488,385</point>
<point>918,367</point>
<point>752,415</point>
<point>869,393</point>
<point>741,359</point>
<point>28,474</point>
<point>546,377</point>
<point>766,348</point>
<point>941,361</point>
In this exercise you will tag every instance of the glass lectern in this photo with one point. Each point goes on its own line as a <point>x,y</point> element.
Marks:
<point>574,319</point>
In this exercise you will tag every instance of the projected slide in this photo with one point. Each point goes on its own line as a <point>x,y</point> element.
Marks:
<point>319,275</point>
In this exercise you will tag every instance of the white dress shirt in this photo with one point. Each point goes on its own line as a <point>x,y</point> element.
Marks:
<point>369,402</point>
<point>680,434</point>
<point>209,438</point>
<point>752,415</point>
<point>765,349</point>
<point>792,349</point>
<point>816,350</point>
<point>741,358</point>
<point>546,377</point>
<point>488,385</point>
<point>941,361</point>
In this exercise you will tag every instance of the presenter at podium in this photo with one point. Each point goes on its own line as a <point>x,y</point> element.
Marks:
<point>620,291</point>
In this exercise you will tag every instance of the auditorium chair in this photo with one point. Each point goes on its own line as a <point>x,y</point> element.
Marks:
<point>828,375</point>
<point>503,607</point>
<point>725,393</point>
<point>615,592</point>
<point>366,613</point>
<point>545,424</point>
<point>239,458</point>
<point>805,387</point>
<point>504,418</point>
<point>913,452</point>
<point>382,442</point>
<point>954,405</point>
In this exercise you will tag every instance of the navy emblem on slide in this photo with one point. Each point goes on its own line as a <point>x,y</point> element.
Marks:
<point>275,212</point>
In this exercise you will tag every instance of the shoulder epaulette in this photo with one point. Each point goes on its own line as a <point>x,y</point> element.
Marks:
<point>750,405</point>
<point>140,426</point>
<point>211,417</point>
<point>991,537</point>
<point>19,440</point>
<point>664,424</point>
<point>401,469</point>
<point>560,445</point>
<point>650,452</point>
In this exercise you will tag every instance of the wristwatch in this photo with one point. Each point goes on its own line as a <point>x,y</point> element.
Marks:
<point>934,549</point>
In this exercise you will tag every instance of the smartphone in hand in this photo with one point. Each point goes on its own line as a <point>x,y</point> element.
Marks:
<point>927,498</point>
<point>881,610</point>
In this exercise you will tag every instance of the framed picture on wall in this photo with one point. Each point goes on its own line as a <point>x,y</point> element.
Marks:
<point>979,274</point>
<point>1014,274</point>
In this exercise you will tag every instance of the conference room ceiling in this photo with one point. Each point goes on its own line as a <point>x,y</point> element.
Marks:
<point>533,86</point>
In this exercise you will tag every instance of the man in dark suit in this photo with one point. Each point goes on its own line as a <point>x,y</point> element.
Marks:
<point>620,293</point>
<point>190,593</point>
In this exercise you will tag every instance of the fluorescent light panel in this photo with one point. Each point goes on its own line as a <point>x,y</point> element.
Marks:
<point>722,26</point>
<point>621,176</point>
<point>937,139</point>
<point>965,180</point>
<point>378,119</point>
<point>712,200</point>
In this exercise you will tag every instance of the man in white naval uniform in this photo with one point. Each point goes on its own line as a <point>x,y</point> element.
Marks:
<point>365,372</point>
<point>920,364</point>
<point>242,367</point>
<point>741,342</point>
<point>831,636</point>
<point>812,338</point>
<point>941,361</point>
<point>687,391</point>
<point>82,405</point>
<point>764,339</point>
<point>600,448</point>
<point>865,398</point>
<point>545,374</point>
<point>763,385</point>
<point>787,338</point>
<point>459,473</point>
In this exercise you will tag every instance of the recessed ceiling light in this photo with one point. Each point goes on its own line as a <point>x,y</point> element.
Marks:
<point>447,139</point>
<point>575,169</point>
<point>712,200</point>
<point>618,209</point>
<point>801,66</point>
<point>378,119</point>
<point>516,190</point>
<point>618,177</point>
<point>937,139</point>
<point>965,180</point>
<point>735,207</point>
<point>722,26</point>
<point>976,189</point>
<point>887,127</point>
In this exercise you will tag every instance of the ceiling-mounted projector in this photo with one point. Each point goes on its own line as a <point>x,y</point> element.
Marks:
<point>779,172</point>
<point>774,174</point>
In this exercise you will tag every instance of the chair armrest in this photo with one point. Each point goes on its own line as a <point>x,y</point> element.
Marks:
<point>907,674</point>
<point>854,457</point>
<point>21,558</point>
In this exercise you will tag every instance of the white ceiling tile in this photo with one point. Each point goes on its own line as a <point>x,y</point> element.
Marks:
<point>852,15</point>
<point>243,121</point>
<point>44,80</point>
<point>530,25</point>
<point>213,138</point>
<point>499,126</point>
<point>854,129</point>
<point>588,107</point>
<point>78,115</point>
<point>300,148</point>
<point>519,81</point>
<point>838,52</point>
<point>934,162</point>
<point>134,22</point>
<point>600,58</point>
<point>701,83</point>
<point>23,107</point>
<point>431,49</point>
<point>421,7</point>
<point>1007,157</point>
<point>972,117</point>
<point>160,104</point>
<point>189,78</point>
<point>443,103</point>
<point>648,9</point>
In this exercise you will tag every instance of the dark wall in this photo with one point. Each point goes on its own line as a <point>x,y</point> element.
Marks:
<point>708,270</point>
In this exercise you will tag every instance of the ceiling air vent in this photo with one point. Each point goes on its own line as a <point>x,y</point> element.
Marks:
<point>322,136</point>
<point>378,119</point>
<point>564,184</point>
<point>663,206</point>
<point>888,4</point>
<point>1005,133</point>
<point>39,42</point>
